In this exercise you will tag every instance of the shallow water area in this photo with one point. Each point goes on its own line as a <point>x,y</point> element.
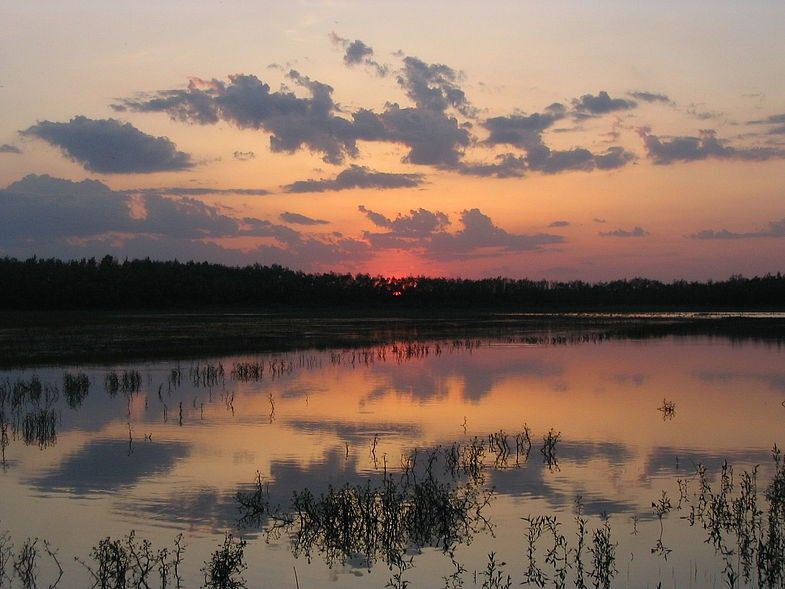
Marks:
<point>438,462</point>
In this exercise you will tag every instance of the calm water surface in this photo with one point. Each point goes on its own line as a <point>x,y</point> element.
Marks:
<point>167,451</point>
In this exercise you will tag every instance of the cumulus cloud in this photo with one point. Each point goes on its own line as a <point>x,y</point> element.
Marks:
<point>244,156</point>
<point>507,165</point>
<point>314,121</point>
<point>418,223</point>
<point>560,224</point>
<point>54,217</point>
<point>426,232</point>
<point>435,128</point>
<point>358,53</point>
<point>433,86</point>
<point>589,105</point>
<point>650,96</point>
<point>248,103</point>
<point>357,177</point>
<point>634,232</point>
<point>525,132</point>
<point>548,161</point>
<point>480,233</point>
<point>432,137</point>
<point>298,219</point>
<point>598,220</point>
<point>108,146</point>
<point>8,148</point>
<point>776,229</point>
<point>706,145</point>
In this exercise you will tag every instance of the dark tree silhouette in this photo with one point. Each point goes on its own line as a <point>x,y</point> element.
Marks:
<point>145,284</point>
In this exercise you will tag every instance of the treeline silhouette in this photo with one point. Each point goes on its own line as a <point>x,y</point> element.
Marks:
<point>146,284</point>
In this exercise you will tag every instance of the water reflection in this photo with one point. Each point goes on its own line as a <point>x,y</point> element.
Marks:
<point>338,435</point>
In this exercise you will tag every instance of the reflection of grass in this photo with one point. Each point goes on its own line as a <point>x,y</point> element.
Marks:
<point>376,521</point>
<point>438,499</point>
<point>28,407</point>
<point>75,387</point>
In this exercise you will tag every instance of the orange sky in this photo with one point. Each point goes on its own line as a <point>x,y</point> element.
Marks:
<point>661,127</point>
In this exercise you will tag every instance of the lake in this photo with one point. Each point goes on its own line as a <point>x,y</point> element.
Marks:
<point>569,456</point>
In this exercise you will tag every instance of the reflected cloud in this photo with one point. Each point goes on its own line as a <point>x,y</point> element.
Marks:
<point>106,466</point>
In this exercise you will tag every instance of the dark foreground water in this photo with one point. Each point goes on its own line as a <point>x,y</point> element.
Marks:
<point>558,459</point>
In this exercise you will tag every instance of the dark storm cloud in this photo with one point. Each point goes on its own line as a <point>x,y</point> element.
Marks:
<point>357,177</point>
<point>7,148</point>
<point>358,53</point>
<point>54,217</point>
<point>108,146</point>
<point>706,145</point>
<point>776,229</point>
<point>650,97</point>
<point>589,105</point>
<point>634,232</point>
<point>426,231</point>
<point>298,219</point>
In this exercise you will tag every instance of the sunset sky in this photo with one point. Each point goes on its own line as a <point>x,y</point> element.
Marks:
<point>561,140</point>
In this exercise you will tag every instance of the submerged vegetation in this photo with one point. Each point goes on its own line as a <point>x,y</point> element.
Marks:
<point>389,509</point>
<point>437,499</point>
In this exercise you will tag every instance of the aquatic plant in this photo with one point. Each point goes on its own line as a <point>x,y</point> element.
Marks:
<point>373,520</point>
<point>26,563</point>
<point>206,375</point>
<point>129,382</point>
<point>548,449</point>
<point>668,409</point>
<point>225,568</point>
<point>6,557</point>
<point>129,562</point>
<point>495,577</point>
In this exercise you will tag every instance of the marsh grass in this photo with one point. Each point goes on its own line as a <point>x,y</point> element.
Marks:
<point>28,409</point>
<point>134,563</point>
<point>375,521</point>
<point>225,568</point>
<point>75,388</point>
<point>668,410</point>
<point>128,382</point>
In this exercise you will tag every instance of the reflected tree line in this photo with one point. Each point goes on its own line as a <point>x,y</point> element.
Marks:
<point>110,283</point>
